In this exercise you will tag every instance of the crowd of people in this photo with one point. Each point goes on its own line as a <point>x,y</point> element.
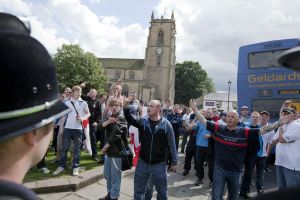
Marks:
<point>231,144</point>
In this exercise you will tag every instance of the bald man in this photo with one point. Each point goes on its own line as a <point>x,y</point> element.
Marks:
<point>156,136</point>
<point>230,149</point>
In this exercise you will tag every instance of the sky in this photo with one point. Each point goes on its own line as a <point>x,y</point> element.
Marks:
<point>208,31</point>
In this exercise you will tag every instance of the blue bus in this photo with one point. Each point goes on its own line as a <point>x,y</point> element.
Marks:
<point>261,83</point>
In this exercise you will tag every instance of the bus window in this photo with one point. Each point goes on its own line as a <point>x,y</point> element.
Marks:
<point>263,59</point>
<point>273,106</point>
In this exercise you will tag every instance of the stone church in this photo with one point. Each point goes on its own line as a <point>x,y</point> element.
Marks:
<point>154,76</point>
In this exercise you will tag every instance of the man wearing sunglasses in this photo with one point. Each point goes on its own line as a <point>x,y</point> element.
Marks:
<point>287,140</point>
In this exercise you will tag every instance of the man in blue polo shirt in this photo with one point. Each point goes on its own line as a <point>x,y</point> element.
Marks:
<point>201,150</point>
<point>230,149</point>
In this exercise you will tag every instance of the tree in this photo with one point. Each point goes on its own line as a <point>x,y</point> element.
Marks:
<point>75,66</point>
<point>191,81</point>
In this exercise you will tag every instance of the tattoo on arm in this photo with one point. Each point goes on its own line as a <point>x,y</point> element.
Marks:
<point>269,127</point>
<point>200,117</point>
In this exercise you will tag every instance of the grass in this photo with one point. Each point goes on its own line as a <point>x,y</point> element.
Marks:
<point>86,163</point>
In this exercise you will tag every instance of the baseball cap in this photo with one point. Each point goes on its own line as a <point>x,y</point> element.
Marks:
<point>265,112</point>
<point>244,107</point>
<point>289,110</point>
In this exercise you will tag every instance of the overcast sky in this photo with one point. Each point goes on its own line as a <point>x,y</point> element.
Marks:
<point>208,31</point>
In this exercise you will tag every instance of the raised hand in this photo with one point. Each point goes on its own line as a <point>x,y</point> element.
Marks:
<point>126,101</point>
<point>193,104</point>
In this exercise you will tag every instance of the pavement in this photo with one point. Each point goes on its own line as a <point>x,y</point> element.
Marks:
<point>90,185</point>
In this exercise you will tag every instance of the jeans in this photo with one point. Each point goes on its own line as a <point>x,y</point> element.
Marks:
<point>93,133</point>
<point>185,135</point>
<point>113,176</point>
<point>221,177</point>
<point>159,178</point>
<point>76,136</point>
<point>149,189</point>
<point>249,166</point>
<point>201,153</point>
<point>287,178</point>
<point>260,167</point>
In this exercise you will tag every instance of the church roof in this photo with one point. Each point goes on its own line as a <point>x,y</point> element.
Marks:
<point>122,63</point>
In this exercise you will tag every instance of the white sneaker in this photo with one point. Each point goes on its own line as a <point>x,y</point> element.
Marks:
<point>58,170</point>
<point>76,171</point>
<point>45,170</point>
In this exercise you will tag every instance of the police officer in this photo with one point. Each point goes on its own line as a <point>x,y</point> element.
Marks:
<point>29,106</point>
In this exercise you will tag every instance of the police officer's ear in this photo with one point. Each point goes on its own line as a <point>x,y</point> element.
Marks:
<point>32,138</point>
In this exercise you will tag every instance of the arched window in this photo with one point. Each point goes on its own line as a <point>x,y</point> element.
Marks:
<point>160,40</point>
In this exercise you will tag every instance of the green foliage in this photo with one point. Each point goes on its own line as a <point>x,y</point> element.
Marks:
<point>86,163</point>
<point>191,81</point>
<point>75,66</point>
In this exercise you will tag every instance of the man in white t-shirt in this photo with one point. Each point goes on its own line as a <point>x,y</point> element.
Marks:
<point>73,130</point>
<point>185,125</point>
<point>287,160</point>
<point>263,153</point>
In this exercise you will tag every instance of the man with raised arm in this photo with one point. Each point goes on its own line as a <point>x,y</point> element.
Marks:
<point>156,135</point>
<point>230,149</point>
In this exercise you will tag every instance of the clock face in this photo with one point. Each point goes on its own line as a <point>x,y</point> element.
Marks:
<point>159,50</point>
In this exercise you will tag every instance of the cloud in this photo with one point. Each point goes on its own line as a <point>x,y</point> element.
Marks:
<point>208,31</point>
<point>70,21</point>
<point>212,31</point>
<point>16,7</point>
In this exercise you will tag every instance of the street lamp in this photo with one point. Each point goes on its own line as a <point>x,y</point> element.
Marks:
<point>229,84</point>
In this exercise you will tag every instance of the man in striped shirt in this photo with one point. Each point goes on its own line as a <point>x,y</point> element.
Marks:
<point>230,149</point>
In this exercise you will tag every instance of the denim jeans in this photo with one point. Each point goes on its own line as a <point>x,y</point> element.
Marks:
<point>113,176</point>
<point>221,177</point>
<point>93,133</point>
<point>76,136</point>
<point>287,178</point>
<point>185,136</point>
<point>159,178</point>
<point>149,189</point>
<point>249,166</point>
<point>260,167</point>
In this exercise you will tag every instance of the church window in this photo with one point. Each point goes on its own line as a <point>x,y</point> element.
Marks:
<point>117,74</point>
<point>131,75</point>
<point>160,40</point>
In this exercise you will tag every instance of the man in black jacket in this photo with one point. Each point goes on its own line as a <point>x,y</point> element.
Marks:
<point>156,135</point>
<point>96,115</point>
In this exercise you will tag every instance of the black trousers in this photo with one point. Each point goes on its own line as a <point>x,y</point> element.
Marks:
<point>42,163</point>
<point>249,166</point>
<point>190,152</point>
<point>54,139</point>
<point>201,153</point>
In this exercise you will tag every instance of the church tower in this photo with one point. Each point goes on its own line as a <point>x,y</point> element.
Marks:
<point>159,63</point>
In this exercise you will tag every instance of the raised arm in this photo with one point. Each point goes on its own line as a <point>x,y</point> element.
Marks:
<point>132,120</point>
<point>198,115</point>
<point>269,127</point>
